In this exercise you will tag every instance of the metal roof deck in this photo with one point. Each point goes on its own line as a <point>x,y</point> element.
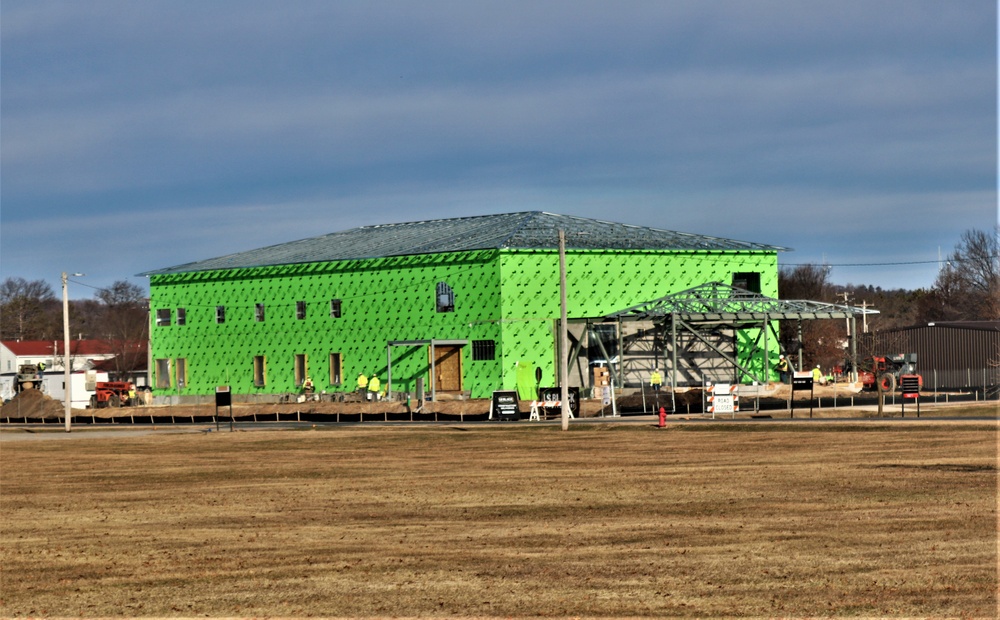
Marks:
<point>535,230</point>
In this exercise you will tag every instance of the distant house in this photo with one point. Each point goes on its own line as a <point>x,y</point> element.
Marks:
<point>84,355</point>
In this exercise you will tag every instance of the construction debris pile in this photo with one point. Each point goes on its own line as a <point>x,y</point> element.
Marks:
<point>33,404</point>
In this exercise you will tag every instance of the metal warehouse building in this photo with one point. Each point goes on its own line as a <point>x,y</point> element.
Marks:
<point>467,305</point>
<point>960,354</point>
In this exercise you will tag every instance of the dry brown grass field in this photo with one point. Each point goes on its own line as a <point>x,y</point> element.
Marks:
<point>704,520</point>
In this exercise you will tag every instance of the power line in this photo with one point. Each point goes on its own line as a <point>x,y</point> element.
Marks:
<point>914,262</point>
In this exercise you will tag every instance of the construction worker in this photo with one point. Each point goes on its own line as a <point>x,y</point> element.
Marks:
<point>818,376</point>
<point>373,387</point>
<point>362,383</point>
<point>782,368</point>
<point>307,386</point>
<point>655,379</point>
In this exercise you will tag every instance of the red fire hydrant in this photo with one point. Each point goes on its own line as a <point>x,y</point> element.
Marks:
<point>663,417</point>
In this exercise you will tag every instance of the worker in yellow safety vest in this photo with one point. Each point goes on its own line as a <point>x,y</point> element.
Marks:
<point>655,379</point>
<point>818,376</point>
<point>782,369</point>
<point>362,382</point>
<point>373,388</point>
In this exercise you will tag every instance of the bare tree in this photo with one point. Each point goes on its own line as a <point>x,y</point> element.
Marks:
<point>28,310</point>
<point>125,325</point>
<point>822,340</point>
<point>968,287</point>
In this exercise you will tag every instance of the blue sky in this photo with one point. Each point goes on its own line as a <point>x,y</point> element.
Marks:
<point>141,135</point>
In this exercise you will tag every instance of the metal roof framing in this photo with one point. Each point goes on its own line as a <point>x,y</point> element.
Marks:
<point>713,305</point>
<point>526,230</point>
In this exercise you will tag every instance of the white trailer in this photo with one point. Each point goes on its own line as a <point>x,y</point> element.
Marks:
<point>83,386</point>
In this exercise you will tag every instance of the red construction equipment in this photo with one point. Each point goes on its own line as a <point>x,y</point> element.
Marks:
<point>113,394</point>
<point>887,370</point>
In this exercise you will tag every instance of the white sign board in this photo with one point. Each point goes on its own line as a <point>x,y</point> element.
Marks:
<point>724,403</point>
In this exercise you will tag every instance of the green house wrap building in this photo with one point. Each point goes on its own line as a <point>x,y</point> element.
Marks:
<point>467,305</point>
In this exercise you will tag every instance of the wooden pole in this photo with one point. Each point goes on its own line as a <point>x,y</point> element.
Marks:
<point>563,334</point>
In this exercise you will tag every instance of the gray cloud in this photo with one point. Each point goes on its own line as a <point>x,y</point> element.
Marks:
<point>756,119</point>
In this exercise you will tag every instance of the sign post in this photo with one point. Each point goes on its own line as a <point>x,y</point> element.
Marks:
<point>505,406</point>
<point>910,385</point>
<point>802,381</point>
<point>223,398</point>
<point>722,398</point>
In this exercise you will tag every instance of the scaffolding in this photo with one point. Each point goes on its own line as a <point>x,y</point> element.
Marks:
<point>693,335</point>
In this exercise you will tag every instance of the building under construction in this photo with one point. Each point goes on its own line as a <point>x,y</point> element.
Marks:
<point>464,307</point>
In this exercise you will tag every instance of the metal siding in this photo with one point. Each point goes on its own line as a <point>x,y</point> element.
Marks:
<point>948,355</point>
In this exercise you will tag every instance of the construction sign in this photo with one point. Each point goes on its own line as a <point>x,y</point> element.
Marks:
<point>722,398</point>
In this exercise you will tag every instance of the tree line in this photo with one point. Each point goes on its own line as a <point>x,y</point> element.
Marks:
<point>967,288</point>
<point>118,315</point>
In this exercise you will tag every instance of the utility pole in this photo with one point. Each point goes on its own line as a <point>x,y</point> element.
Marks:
<point>864,316</point>
<point>845,294</point>
<point>563,334</point>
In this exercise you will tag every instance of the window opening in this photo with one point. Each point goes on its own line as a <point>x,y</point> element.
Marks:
<point>445,298</point>
<point>300,368</point>
<point>259,313</point>
<point>335,308</point>
<point>603,339</point>
<point>300,310</point>
<point>181,316</point>
<point>163,317</point>
<point>336,363</point>
<point>181,372</point>
<point>258,370</point>
<point>162,373</point>
<point>220,314</point>
<point>483,350</point>
<point>749,280</point>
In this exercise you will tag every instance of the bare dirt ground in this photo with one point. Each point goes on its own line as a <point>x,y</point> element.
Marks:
<point>761,520</point>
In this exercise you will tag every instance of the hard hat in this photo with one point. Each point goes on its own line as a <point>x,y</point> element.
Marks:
<point>817,365</point>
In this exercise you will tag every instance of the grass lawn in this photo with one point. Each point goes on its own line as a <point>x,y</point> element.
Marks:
<point>512,520</point>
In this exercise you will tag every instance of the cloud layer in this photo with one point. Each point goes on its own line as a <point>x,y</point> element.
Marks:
<point>854,132</point>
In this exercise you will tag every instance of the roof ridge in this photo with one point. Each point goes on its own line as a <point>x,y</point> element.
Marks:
<point>528,216</point>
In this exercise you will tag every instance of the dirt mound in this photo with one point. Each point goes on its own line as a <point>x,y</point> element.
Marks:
<point>32,404</point>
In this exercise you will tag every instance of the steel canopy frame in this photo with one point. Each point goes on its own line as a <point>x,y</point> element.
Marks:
<point>417,343</point>
<point>716,304</point>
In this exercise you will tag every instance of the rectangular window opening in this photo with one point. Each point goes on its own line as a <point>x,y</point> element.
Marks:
<point>259,313</point>
<point>336,364</point>
<point>335,308</point>
<point>181,316</point>
<point>259,371</point>
<point>445,297</point>
<point>483,350</point>
<point>748,280</point>
<point>162,317</point>
<point>300,369</point>
<point>163,373</point>
<point>181,372</point>
<point>603,343</point>
<point>220,314</point>
<point>300,310</point>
